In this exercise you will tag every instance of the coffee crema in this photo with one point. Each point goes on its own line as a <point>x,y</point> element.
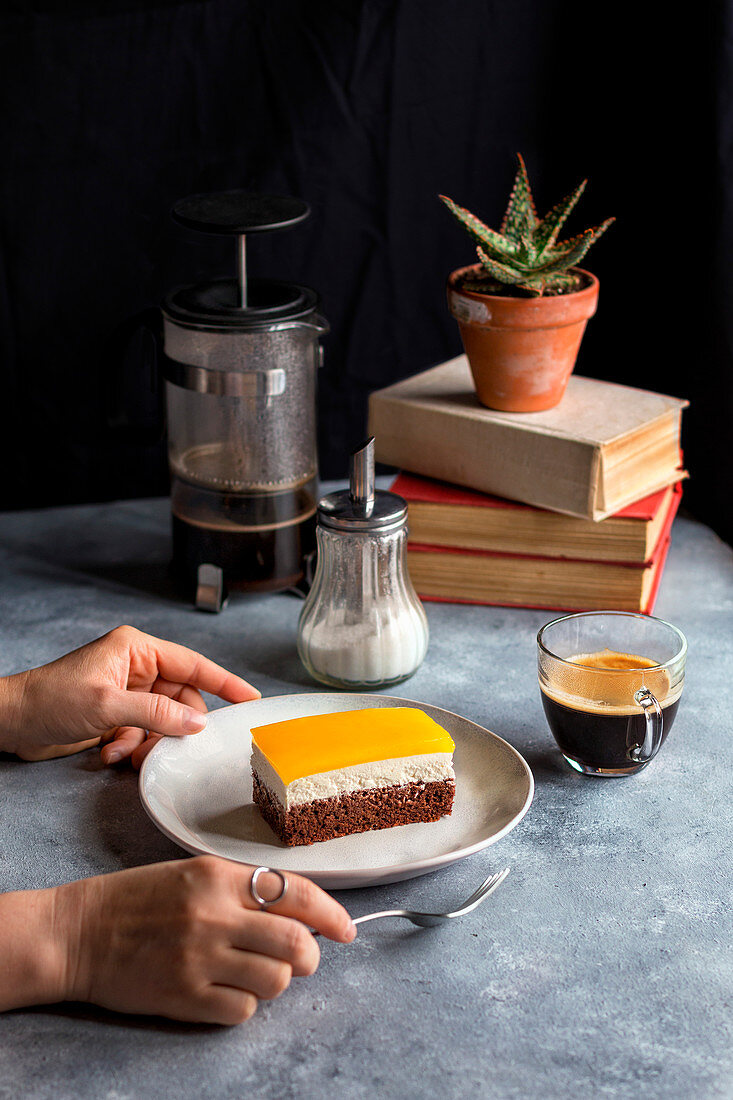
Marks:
<point>588,699</point>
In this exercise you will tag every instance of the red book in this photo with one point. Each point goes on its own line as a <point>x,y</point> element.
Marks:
<point>446,515</point>
<point>466,547</point>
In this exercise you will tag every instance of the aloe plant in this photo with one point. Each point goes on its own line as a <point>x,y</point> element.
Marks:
<point>526,252</point>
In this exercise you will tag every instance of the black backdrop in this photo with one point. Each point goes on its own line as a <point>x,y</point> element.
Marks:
<point>111,111</point>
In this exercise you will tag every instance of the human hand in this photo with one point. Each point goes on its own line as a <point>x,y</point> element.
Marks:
<point>186,940</point>
<point>112,690</point>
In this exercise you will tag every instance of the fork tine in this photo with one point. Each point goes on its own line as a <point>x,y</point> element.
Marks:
<point>483,891</point>
<point>485,885</point>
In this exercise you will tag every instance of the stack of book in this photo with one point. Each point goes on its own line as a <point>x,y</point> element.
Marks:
<point>574,505</point>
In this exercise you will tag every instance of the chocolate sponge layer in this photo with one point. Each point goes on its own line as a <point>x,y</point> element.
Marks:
<point>378,808</point>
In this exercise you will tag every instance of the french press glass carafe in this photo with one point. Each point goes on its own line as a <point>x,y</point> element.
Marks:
<point>240,366</point>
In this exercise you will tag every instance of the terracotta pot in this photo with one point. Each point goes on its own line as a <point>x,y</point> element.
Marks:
<point>521,350</point>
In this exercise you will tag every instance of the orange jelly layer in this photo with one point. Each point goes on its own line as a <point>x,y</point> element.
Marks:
<point>327,742</point>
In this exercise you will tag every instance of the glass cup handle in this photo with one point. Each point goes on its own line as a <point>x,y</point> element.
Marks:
<point>654,727</point>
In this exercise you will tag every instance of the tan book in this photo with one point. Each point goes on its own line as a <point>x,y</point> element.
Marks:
<point>603,447</point>
<point>514,580</point>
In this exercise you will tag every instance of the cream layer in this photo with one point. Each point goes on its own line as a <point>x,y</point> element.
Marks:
<point>426,768</point>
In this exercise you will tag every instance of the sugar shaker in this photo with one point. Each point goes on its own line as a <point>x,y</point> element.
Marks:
<point>362,625</point>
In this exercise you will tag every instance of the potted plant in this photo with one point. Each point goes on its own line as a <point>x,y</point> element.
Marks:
<point>523,309</point>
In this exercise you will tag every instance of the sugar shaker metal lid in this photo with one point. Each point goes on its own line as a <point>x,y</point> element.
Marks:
<point>361,508</point>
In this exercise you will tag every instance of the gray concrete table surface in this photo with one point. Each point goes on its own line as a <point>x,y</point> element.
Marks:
<point>601,968</point>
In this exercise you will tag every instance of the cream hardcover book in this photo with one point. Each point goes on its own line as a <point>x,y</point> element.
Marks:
<point>603,447</point>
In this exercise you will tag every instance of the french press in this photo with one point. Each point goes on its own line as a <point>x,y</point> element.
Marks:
<point>240,367</point>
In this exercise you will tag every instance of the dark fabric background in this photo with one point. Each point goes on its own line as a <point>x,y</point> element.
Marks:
<point>367,109</point>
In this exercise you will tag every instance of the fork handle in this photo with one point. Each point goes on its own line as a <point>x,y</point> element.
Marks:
<point>384,913</point>
<point>373,916</point>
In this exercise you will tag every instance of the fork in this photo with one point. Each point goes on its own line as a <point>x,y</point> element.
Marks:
<point>429,920</point>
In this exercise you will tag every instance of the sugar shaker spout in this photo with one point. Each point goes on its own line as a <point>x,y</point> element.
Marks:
<point>361,489</point>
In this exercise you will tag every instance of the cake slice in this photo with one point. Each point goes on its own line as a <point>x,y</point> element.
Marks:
<point>329,775</point>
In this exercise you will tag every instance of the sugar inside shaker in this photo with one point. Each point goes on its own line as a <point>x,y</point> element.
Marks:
<point>362,625</point>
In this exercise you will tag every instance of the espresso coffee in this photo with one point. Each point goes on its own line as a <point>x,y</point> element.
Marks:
<point>590,708</point>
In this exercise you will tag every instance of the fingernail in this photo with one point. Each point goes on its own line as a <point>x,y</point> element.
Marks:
<point>194,722</point>
<point>352,930</point>
<point>113,756</point>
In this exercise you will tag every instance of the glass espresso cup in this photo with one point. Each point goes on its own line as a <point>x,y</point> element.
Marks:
<point>610,683</point>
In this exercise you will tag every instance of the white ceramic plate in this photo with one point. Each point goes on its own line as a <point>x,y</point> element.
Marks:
<point>198,791</point>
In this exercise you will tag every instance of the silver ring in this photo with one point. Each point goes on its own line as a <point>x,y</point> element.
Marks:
<point>257,896</point>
